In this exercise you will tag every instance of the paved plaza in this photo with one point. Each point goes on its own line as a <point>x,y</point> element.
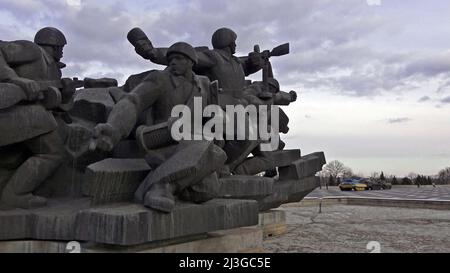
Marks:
<point>349,228</point>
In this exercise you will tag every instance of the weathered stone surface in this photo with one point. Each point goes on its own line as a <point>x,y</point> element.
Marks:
<point>154,137</point>
<point>306,166</point>
<point>78,135</point>
<point>207,189</point>
<point>99,83</point>
<point>238,150</point>
<point>113,179</point>
<point>192,161</point>
<point>238,240</point>
<point>32,246</point>
<point>65,182</point>
<point>283,122</point>
<point>12,156</point>
<point>286,191</point>
<point>279,196</point>
<point>125,223</point>
<point>14,224</point>
<point>272,222</point>
<point>269,160</point>
<point>56,221</point>
<point>300,190</point>
<point>246,187</point>
<point>93,104</point>
<point>21,122</point>
<point>4,177</point>
<point>128,149</point>
<point>134,80</point>
<point>131,224</point>
<point>271,217</point>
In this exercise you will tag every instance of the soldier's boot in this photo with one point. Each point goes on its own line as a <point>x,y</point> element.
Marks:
<point>202,191</point>
<point>48,154</point>
<point>160,198</point>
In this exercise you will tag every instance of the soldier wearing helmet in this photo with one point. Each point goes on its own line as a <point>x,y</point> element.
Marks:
<point>156,96</point>
<point>37,149</point>
<point>219,64</point>
<point>52,41</point>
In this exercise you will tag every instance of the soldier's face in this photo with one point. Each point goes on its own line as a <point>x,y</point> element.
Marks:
<point>233,47</point>
<point>58,52</point>
<point>179,64</point>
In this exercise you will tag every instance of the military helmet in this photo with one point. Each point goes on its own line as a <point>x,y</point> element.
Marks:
<point>185,49</point>
<point>50,36</point>
<point>223,37</point>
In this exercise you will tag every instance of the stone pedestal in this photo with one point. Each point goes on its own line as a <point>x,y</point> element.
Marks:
<point>272,223</point>
<point>123,224</point>
<point>239,240</point>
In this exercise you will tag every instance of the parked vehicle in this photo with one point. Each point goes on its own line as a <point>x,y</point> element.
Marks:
<point>386,185</point>
<point>346,186</point>
<point>377,185</point>
<point>352,184</point>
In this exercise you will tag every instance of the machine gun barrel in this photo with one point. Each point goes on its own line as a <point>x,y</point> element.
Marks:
<point>280,50</point>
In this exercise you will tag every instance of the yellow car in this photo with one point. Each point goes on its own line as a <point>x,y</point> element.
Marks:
<point>360,187</point>
<point>349,185</point>
<point>346,186</point>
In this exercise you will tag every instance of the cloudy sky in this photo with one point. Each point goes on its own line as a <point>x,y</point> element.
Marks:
<point>373,76</point>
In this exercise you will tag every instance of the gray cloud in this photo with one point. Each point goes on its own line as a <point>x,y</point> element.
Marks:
<point>330,46</point>
<point>398,120</point>
<point>424,99</point>
<point>443,87</point>
<point>445,100</point>
<point>428,65</point>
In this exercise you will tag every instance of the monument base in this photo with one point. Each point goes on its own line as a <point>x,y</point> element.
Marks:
<point>239,240</point>
<point>272,223</point>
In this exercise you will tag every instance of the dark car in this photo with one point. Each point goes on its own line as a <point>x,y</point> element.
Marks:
<point>377,185</point>
<point>386,185</point>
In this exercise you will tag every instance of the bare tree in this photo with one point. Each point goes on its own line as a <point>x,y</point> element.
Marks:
<point>335,168</point>
<point>375,175</point>
<point>444,175</point>
<point>347,172</point>
<point>412,175</point>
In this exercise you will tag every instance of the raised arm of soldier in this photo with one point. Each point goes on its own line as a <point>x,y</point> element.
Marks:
<point>125,113</point>
<point>144,48</point>
<point>222,39</point>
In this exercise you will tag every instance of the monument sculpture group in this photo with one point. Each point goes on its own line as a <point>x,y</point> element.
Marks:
<point>91,161</point>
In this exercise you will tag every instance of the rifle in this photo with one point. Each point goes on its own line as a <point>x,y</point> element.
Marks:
<point>49,94</point>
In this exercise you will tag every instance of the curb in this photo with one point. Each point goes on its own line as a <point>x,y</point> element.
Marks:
<point>374,201</point>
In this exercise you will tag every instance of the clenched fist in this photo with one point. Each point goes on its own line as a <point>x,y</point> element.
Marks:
<point>105,137</point>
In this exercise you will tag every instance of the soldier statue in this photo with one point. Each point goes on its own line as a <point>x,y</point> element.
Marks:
<point>159,92</point>
<point>31,85</point>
